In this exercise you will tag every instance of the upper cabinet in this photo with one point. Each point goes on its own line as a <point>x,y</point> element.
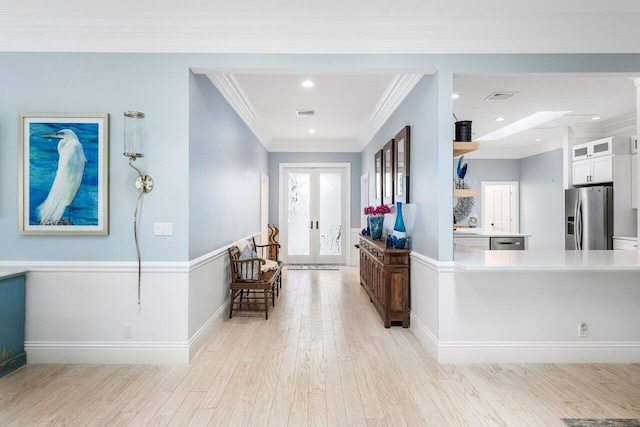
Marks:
<point>593,162</point>
<point>601,147</point>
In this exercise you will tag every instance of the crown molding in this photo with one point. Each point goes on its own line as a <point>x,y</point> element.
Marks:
<point>235,96</point>
<point>624,125</point>
<point>399,87</point>
<point>197,27</point>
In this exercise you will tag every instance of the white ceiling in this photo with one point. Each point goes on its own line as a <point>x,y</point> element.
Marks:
<point>611,97</point>
<point>350,107</point>
<point>328,26</point>
<point>343,106</point>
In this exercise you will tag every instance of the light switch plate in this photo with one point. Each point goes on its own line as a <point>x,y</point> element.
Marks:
<point>163,228</point>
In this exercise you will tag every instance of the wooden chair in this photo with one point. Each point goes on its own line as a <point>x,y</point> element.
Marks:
<point>250,286</point>
<point>270,251</point>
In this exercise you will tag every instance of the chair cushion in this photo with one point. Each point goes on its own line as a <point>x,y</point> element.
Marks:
<point>269,265</point>
<point>247,253</point>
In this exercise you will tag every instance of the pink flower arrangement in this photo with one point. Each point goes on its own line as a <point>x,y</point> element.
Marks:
<point>378,210</point>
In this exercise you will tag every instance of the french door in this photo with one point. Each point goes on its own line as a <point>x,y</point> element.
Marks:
<point>314,215</point>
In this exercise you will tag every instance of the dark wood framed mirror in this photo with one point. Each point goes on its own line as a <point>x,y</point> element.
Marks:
<point>387,173</point>
<point>401,162</point>
<point>378,178</point>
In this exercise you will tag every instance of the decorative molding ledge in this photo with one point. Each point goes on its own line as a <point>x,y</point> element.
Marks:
<point>437,266</point>
<point>119,266</point>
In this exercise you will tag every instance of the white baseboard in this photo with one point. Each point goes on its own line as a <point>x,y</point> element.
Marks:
<point>424,335</point>
<point>539,352</point>
<point>213,325</point>
<point>107,352</point>
<point>524,352</point>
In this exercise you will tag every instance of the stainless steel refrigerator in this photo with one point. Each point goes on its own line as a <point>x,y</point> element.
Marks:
<point>588,218</point>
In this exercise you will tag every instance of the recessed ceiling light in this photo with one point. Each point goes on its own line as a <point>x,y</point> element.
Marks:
<point>538,139</point>
<point>528,122</point>
<point>312,131</point>
<point>499,119</point>
<point>596,118</point>
<point>455,96</point>
<point>307,83</point>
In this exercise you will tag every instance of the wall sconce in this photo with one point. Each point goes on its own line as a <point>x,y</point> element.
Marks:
<point>134,136</point>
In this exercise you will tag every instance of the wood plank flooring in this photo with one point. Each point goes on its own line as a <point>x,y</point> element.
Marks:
<point>323,358</point>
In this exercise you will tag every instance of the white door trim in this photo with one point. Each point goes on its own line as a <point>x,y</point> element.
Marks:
<point>347,192</point>
<point>515,187</point>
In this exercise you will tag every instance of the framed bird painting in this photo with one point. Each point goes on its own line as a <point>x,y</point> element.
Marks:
<point>63,165</point>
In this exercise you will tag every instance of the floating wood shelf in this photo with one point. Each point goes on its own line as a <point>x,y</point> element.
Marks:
<point>460,148</point>
<point>470,192</point>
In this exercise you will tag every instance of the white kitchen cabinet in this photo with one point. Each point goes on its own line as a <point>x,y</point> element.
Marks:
<point>601,147</point>
<point>592,170</point>
<point>480,243</point>
<point>625,244</point>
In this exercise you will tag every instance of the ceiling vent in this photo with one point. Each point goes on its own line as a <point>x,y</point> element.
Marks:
<point>305,113</point>
<point>500,96</point>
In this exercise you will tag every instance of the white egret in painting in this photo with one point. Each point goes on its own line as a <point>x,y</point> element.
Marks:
<point>68,177</point>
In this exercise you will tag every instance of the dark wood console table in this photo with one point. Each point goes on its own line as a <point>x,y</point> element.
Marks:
<point>384,274</point>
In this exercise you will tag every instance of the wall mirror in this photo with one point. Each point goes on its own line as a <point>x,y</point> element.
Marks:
<point>378,179</point>
<point>401,158</point>
<point>387,173</point>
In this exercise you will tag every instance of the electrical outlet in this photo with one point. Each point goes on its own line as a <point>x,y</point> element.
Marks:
<point>128,331</point>
<point>582,329</point>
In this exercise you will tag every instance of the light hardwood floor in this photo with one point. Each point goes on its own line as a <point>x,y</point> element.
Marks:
<point>322,358</point>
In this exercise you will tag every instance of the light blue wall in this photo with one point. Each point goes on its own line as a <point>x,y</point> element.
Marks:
<point>418,110</point>
<point>274,174</point>
<point>542,200</point>
<point>480,170</point>
<point>158,84</point>
<point>225,162</point>
<point>102,83</point>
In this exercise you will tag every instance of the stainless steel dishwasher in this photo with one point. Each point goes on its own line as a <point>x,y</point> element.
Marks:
<point>507,243</point>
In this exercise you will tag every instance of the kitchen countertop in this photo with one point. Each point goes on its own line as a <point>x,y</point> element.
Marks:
<point>632,239</point>
<point>478,232</point>
<point>553,260</point>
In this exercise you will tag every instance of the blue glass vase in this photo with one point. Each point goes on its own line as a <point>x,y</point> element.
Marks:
<point>375,225</point>
<point>399,231</point>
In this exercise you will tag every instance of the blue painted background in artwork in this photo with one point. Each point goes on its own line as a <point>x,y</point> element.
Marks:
<point>43,154</point>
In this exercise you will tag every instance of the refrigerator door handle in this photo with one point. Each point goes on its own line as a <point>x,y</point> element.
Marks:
<point>575,226</point>
<point>579,226</point>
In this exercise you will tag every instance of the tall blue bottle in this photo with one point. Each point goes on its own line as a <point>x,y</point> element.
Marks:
<point>399,231</point>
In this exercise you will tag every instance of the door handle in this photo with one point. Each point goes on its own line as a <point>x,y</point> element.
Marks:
<point>311,226</point>
<point>317,228</point>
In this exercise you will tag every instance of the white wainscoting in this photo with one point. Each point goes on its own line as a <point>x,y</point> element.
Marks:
<point>76,311</point>
<point>511,317</point>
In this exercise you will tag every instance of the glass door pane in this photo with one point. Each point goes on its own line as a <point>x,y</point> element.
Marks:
<point>330,215</point>
<point>298,213</point>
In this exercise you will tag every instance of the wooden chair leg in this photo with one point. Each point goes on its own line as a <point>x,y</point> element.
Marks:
<point>266,304</point>
<point>233,297</point>
<point>273,297</point>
